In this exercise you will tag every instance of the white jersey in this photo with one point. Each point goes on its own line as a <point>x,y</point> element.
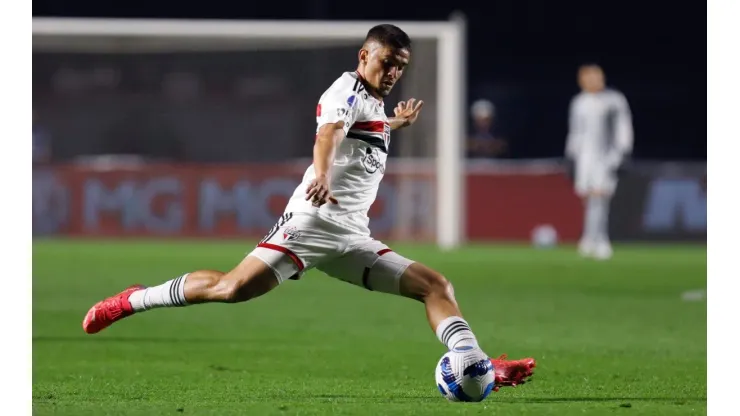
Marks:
<point>359,162</point>
<point>600,127</point>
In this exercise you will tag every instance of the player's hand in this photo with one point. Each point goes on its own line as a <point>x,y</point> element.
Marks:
<point>570,168</point>
<point>407,111</point>
<point>318,192</point>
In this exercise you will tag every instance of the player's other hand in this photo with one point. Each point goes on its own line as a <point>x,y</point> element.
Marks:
<point>318,192</point>
<point>407,111</point>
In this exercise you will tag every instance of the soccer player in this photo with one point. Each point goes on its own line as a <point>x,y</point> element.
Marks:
<point>325,223</point>
<point>484,142</point>
<point>599,138</point>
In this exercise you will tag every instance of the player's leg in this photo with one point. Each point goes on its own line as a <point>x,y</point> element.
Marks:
<point>446,320</point>
<point>604,184</point>
<point>602,245</point>
<point>595,242</point>
<point>587,244</point>
<point>283,254</point>
<point>427,285</point>
<point>249,279</point>
<point>376,267</point>
<point>583,187</point>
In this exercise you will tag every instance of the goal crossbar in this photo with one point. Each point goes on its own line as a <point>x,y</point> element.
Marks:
<point>451,78</point>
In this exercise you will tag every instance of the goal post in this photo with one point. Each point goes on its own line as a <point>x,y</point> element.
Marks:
<point>142,35</point>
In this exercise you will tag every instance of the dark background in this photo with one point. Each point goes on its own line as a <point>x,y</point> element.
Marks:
<point>523,55</point>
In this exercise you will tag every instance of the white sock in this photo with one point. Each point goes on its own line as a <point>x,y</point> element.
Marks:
<point>169,293</point>
<point>454,332</point>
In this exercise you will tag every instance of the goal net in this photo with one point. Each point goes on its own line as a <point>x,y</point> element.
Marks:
<point>223,114</point>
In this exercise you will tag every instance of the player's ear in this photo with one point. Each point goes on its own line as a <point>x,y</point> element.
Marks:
<point>362,55</point>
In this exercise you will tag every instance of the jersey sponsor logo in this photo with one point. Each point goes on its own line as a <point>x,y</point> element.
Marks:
<point>371,161</point>
<point>351,100</point>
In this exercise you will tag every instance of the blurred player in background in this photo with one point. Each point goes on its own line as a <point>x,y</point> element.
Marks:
<point>599,138</point>
<point>325,224</point>
<point>483,142</point>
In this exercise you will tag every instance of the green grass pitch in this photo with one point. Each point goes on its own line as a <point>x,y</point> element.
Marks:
<point>610,337</point>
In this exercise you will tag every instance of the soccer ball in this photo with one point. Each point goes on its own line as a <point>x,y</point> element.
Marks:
<point>544,236</point>
<point>465,374</point>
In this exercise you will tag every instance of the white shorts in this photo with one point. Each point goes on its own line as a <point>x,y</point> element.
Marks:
<point>595,176</point>
<point>300,242</point>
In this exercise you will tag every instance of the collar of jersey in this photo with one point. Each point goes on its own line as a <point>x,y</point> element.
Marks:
<point>362,79</point>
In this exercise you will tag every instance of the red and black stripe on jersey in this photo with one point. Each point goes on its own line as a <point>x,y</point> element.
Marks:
<point>371,132</point>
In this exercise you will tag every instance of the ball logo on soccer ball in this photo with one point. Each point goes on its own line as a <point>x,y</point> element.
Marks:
<point>465,375</point>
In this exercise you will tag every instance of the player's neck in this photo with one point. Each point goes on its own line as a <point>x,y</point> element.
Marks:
<point>594,90</point>
<point>368,87</point>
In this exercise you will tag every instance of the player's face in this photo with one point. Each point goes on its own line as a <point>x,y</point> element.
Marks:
<point>383,67</point>
<point>483,122</point>
<point>591,79</point>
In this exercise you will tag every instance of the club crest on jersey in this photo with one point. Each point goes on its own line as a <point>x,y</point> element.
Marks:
<point>371,161</point>
<point>291,233</point>
<point>387,134</point>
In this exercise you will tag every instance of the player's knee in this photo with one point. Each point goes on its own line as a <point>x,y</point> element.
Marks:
<point>228,290</point>
<point>242,285</point>
<point>423,283</point>
<point>436,285</point>
<point>439,286</point>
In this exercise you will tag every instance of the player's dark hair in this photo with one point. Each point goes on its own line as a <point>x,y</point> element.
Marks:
<point>589,64</point>
<point>389,35</point>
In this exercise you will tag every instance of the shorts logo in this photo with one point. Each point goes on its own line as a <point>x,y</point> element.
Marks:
<point>291,233</point>
<point>371,161</point>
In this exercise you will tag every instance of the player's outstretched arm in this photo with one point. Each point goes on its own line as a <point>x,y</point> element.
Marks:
<point>324,149</point>
<point>572,142</point>
<point>624,133</point>
<point>406,113</point>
